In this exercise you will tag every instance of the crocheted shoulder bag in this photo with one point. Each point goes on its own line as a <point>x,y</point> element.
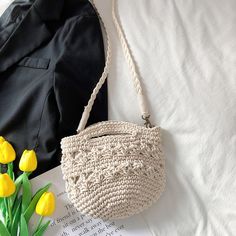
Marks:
<point>114,169</point>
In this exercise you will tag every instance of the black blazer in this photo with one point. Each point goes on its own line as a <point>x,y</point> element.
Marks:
<point>51,57</point>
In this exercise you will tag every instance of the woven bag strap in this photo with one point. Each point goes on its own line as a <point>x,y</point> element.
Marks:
<point>132,67</point>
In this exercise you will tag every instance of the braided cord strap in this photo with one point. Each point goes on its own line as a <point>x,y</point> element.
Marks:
<point>131,63</point>
<point>132,67</point>
<point>88,108</point>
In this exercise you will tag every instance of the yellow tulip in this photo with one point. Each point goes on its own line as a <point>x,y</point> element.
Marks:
<point>28,161</point>
<point>1,140</point>
<point>46,204</point>
<point>7,186</point>
<point>7,152</point>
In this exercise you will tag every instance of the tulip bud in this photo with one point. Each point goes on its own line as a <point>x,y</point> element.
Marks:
<point>46,204</point>
<point>28,161</point>
<point>7,186</point>
<point>2,140</point>
<point>7,152</point>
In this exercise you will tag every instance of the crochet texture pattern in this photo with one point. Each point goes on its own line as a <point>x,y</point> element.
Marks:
<point>113,169</point>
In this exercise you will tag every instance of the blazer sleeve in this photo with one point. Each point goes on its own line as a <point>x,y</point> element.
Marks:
<point>77,71</point>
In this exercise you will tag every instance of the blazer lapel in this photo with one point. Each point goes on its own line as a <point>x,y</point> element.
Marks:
<point>29,33</point>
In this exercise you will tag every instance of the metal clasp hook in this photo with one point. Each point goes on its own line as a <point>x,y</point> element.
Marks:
<point>147,122</point>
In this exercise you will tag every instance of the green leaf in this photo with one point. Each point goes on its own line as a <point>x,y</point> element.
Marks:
<point>3,206</point>
<point>42,229</point>
<point>16,220</point>
<point>10,170</point>
<point>31,208</point>
<point>16,204</point>
<point>18,183</point>
<point>7,219</point>
<point>3,230</point>
<point>23,226</point>
<point>1,200</point>
<point>27,194</point>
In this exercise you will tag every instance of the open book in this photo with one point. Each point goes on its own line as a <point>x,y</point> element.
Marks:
<point>67,221</point>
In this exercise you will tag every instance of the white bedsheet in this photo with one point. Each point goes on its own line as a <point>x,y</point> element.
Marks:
<point>186,55</point>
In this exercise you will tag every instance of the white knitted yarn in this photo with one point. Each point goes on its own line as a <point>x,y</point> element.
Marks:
<point>114,169</point>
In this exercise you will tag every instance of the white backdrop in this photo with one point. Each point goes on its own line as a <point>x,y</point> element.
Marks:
<point>186,55</point>
<point>3,5</point>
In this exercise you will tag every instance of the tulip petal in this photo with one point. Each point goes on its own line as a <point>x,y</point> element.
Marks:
<point>46,204</point>
<point>8,153</point>
<point>7,186</point>
<point>30,210</point>
<point>2,158</point>
<point>28,161</point>
<point>2,140</point>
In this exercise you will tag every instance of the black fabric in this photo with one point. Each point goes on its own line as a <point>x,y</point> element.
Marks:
<point>51,57</point>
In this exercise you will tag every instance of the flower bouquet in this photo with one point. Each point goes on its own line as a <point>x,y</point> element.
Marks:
<point>17,203</point>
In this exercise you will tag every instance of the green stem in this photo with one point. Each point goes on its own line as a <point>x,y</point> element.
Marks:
<point>28,173</point>
<point>9,211</point>
<point>6,212</point>
<point>10,170</point>
<point>0,168</point>
<point>39,224</point>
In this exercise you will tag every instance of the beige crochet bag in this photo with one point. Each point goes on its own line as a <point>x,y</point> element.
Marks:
<point>114,169</point>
